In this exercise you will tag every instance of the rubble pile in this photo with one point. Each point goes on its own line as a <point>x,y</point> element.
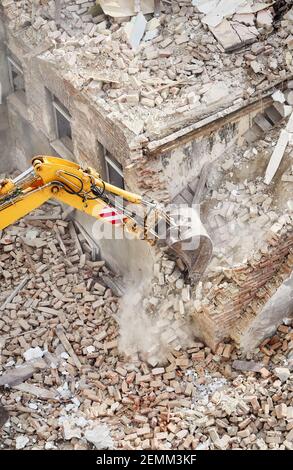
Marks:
<point>251,227</point>
<point>155,73</point>
<point>252,232</point>
<point>50,320</point>
<point>242,212</point>
<point>67,385</point>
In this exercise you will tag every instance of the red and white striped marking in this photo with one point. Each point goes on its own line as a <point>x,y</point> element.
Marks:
<point>111,215</point>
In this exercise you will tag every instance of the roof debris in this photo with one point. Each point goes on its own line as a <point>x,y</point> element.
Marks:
<point>162,59</point>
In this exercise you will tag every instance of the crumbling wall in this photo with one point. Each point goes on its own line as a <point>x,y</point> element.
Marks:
<point>234,300</point>
<point>251,227</point>
<point>91,130</point>
<point>279,307</point>
<point>26,141</point>
<point>5,162</point>
<point>164,176</point>
<point>185,163</point>
<point>4,77</point>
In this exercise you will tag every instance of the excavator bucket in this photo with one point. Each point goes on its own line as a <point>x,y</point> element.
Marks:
<point>187,238</point>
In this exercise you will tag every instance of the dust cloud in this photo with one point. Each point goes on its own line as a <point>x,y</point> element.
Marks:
<point>150,334</point>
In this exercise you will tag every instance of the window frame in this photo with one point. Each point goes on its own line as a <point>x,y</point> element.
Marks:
<point>110,161</point>
<point>62,110</point>
<point>58,107</point>
<point>12,62</point>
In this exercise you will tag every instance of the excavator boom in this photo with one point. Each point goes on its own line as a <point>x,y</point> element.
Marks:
<point>85,190</point>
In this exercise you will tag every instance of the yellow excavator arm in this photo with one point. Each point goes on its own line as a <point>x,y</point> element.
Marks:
<point>85,190</point>
<point>51,177</point>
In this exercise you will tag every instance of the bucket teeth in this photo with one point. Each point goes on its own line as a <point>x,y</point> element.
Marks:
<point>190,242</point>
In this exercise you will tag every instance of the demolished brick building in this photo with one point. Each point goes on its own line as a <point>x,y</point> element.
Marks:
<point>170,107</point>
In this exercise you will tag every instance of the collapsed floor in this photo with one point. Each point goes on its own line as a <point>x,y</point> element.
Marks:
<point>68,380</point>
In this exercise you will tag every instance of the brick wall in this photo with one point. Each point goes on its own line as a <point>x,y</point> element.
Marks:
<point>239,294</point>
<point>89,126</point>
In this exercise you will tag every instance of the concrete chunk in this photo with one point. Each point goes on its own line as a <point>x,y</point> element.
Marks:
<point>135,30</point>
<point>247,366</point>
<point>283,373</point>
<point>99,436</point>
<point>279,96</point>
<point>216,94</point>
<point>264,19</point>
<point>226,35</point>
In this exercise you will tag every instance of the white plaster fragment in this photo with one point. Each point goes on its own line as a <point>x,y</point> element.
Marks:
<point>100,437</point>
<point>33,353</point>
<point>135,30</point>
<point>279,96</point>
<point>21,442</point>
<point>277,156</point>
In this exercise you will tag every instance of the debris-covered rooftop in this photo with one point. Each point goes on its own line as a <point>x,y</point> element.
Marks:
<point>157,74</point>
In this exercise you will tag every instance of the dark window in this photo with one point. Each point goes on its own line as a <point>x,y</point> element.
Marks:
<point>62,123</point>
<point>15,74</point>
<point>114,171</point>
